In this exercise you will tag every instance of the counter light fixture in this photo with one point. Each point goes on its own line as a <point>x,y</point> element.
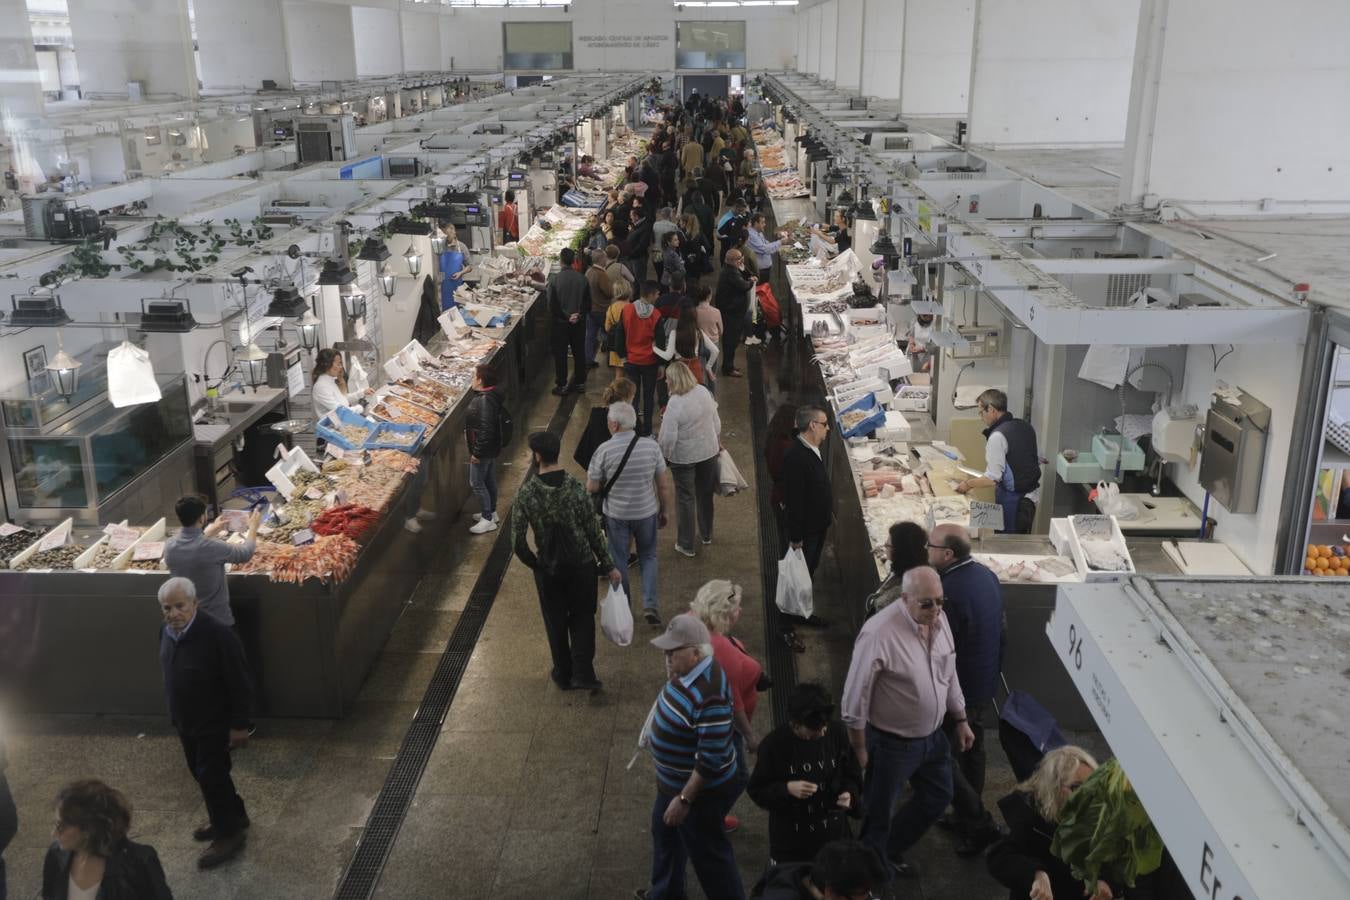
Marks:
<point>354,303</point>
<point>373,250</point>
<point>388,282</point>
<point>437,242</point>
<point>252,365</point>
<point>308,326</point>
<point>65,370</point>
<point>336,272</point>
<point>414,260</point>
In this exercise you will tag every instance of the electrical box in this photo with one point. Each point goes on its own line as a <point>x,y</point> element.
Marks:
<point>1237,428</point>
<point>981,342</point>
<point>325,138</point>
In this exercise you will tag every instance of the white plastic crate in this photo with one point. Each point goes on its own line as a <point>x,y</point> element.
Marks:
<point>1099,529</point>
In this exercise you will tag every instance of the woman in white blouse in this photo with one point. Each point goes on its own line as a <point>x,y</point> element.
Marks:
<point>330,384</point>
<point>690,439</point>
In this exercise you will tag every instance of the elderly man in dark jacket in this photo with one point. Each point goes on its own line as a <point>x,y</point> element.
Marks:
<point>808,499</point>
<point>210,702</point>
<point>974,610</point>
<point>569,301</point>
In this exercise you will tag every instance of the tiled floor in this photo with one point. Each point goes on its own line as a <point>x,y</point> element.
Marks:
<point>529,791</point>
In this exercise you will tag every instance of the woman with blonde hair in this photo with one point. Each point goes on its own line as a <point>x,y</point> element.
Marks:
<point>690,439</point>
<point>623,295</point>
<point>1022,862</point>
<point>718,604</point>
<point>620,390</point>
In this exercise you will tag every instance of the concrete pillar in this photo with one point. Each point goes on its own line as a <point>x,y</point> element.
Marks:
<point>379,41</point>
<point>421,42</point>
<point>848,54</point>
<point>20,84</point>
<point>935,59</point>
<point>829,35</point>
<point>883,39</point>
<point>148,41</point>
<point>241,43</point>
<point>319,42</point>
<point>1257,110</point>
<point>1051,72</point>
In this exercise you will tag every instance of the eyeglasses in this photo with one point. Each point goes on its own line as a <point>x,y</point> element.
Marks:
<point>936,547</point>
<point>929,604</point>
<point>822,422</point>
<point>58,826</point>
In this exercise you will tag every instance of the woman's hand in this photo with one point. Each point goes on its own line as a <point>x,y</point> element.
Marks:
<point>1040,887</point>
<point>1103,892</point>
<point>802,790</point>
<point>844,800</point>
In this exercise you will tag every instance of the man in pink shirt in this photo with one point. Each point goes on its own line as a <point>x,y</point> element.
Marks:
<point>901,683</point>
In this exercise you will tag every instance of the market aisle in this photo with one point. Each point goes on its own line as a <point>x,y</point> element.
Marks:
<point>528,793</point>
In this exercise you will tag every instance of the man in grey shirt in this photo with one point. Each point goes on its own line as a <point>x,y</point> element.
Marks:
<point>195,554</point>
<point>637,504</point>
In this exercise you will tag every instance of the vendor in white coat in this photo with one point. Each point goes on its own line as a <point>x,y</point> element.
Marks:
<point>330,384</point>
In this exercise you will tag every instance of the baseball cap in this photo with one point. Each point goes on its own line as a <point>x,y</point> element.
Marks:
<point>684,630</point>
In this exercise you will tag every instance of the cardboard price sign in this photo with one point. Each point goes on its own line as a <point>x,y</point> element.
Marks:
<point>9,528</point>
<point>986,515</point>
<point>149,550</point>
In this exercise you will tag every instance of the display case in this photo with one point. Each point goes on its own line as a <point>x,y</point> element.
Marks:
<point>84,457</point>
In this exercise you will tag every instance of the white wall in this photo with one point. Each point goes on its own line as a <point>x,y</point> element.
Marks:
<point>20,93</point>
<point>319,42</point>
<point>1052,72</point>
<point>829,40</point>
<point>813,29</point>
<point>935,62</point>
<point>240,43</point>
<point>849,45</point>
<point>146,41</point>
<point>883,40</point>
<point>1291,69</point>
<point>803,20</point>
<point>421,42</point>
<point>379,42</point>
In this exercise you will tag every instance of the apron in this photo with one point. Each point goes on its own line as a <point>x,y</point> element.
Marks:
<point>1009,499</point>
<point>451,261</point>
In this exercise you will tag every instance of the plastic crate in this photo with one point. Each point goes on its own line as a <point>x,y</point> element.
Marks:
<point>379,439</point>
<point>326,427</point>
<point>876,417</point>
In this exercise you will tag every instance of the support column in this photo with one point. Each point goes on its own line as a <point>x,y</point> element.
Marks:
<point>935,60</point>
<point>149,41</point>
<point>20,84</point>
<point>241,43</point>
<point>829,35</point>
<point>320,45</point>
<point>883,39</point>
<point>379,42</point>
<point>1051,72</point>
<point>1256,111</point>
<point>848,53</point>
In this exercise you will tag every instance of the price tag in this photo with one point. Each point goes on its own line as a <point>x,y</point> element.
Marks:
<point>302,537</point>
<point>9,528</point>
<point>313,493</point>
<point>53,539</point>
<point>986,515</point>
<point>120,538</point>
<point>149,550</point>
<point>335,451</point>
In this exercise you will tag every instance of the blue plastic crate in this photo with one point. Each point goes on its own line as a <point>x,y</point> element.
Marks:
<point>325,427</point>
<point>378,439</point>
<point>876,416</point>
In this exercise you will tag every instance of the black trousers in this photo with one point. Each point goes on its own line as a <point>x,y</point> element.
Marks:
<point>968,773</point>
<point>208,759</point>
<point>733,329</point>
<point>567,602</point>
<point>569,337</point>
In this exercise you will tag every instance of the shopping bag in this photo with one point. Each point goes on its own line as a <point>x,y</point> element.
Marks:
<point>1109,501</point>
<point>131,378</point>
<point>729,480</point>
<point>616,619</point>
<point>357,379</point>
<point>644,741</point>
<point>794,585</point>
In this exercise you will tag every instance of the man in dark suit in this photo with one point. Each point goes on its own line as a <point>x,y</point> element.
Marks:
<point>808,499</point>
<point>210,702</point>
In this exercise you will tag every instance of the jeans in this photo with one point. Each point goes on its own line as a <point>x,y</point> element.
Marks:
<point>695,484</point>
<point>968,775</point>
<point>644,532</point>
<point>700,840</point>
<point>638,266</point>
<point>569,337</point>
<point>644,377</point>
<point>483,480</point>
<point>567,602</point>
<point>208,758</point>
<point>595,323</point>
<point>9,826</point>
<point>926,763</point>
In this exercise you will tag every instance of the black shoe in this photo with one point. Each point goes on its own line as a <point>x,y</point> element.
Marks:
<point>222,850</point>
<point>815,622</point>
<point>252,728</point>
<point>594,365</point>
<point>652,618</point>
<point>950,824</point>
<point>208,833</point>
<point>587,684</point>
<point>560,390</point>
<point>576,389</point>
<point>974,844</point>
<point>903,868</point>
<point>564,683</point>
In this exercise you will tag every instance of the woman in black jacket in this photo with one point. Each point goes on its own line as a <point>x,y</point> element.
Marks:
<point>91,851</point>
<point>483,435</point>
<point>620,390</point>
<point>1022,862</point>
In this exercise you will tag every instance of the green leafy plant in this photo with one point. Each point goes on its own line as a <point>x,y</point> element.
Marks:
<point>1104,833</point>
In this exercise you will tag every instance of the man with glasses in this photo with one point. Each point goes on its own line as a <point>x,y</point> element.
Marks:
<point>808,500</point>
<point>1012,463</point>
<point>974,611</point>
<point>697,779</point>
<point>901,684</point>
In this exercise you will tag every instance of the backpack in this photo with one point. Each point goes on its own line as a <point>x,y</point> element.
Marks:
<point>617,340</point>
<point>506,426</point>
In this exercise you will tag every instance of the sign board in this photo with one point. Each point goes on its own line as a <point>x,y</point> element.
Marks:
<point>986,515</point>
<point>149,550</point>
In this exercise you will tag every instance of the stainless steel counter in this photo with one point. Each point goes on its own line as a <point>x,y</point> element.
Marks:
<point>235,414</point>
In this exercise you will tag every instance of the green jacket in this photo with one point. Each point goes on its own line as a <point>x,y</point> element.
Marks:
<point>567,508</point>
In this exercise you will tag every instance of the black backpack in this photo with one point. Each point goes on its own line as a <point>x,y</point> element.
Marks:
<point>506,426</point>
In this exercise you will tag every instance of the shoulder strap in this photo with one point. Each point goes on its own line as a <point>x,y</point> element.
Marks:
<point>604,492</point>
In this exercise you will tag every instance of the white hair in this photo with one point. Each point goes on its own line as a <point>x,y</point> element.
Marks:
<point>623,415</point>
<point>175,586</point>
<point>705,651</point>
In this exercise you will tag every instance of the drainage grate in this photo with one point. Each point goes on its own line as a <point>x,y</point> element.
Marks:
<point>781,660</point>
<point>386,817</point>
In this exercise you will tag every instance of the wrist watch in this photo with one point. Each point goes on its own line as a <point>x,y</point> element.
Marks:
<point>683,799</point>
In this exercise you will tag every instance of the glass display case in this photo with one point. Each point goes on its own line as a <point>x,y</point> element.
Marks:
<point>89,452</point>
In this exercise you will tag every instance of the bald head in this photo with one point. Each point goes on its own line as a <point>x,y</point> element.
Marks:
<point>921,591</point>
<point>947,546</point>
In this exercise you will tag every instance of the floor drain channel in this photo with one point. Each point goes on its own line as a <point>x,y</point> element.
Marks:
<point>391,806</point>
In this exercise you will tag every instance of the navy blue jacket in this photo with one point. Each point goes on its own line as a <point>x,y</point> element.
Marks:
<point>975,613</point>
<point>206,679</point>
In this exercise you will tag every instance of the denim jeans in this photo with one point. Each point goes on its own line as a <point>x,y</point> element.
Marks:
<point>644,377</point>
<point>595,323</point>
<point>926,763</point>
<point>644,532</point>
<point>701,840</point>
<point>483,480</point>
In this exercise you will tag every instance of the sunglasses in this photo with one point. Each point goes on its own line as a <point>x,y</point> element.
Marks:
<point>929,604</point>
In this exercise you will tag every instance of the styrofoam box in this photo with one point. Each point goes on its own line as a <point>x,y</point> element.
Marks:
<point>897,427</point>
<point>911,399</point>
<point>1088,526</point>
<point>1059,536</point>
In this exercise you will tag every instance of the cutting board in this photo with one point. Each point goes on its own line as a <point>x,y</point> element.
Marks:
<point>1209,558</point>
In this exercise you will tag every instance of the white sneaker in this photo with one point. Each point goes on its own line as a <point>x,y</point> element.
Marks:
<point>752,341</point>
<point>412,525</point>
<point>425,515</point>
<point>483,526</point>
<point>478,517</point>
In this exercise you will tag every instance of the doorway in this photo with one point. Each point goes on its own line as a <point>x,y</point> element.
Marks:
<point>705,85</point>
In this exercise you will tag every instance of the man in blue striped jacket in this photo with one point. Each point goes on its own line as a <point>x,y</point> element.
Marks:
<point>697,779</point>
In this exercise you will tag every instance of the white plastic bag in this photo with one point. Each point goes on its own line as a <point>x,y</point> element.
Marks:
<point>357,379</point>
<point>794,585</point>
<point>644,741</point>
<point>131,378</point>
<point>729,479</point>
<point>1111,503</point>
<point>616,619</point>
